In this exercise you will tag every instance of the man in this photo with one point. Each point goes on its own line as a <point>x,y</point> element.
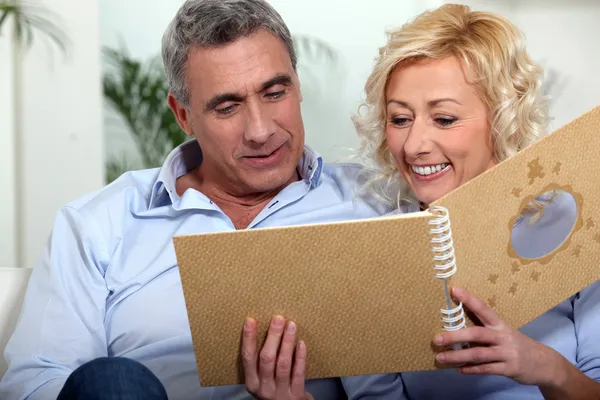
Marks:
<point>104,316</point>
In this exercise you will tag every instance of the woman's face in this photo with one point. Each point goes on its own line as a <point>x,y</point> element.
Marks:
<point>437,127</point>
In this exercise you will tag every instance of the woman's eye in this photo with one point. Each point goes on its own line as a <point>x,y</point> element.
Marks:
<point>445,121</point>
<point>400,121</point>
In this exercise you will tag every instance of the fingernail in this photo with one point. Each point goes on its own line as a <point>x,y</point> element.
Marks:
<point>438,339</point>
<point>277,322</point>
<point>248,324</point>
<point>301,345</point>
<point>291,328</point>
<point>441,357</point>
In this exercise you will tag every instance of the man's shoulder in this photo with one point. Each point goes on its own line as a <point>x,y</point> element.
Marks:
<point>349,180</point>
<point>132,190</point>
<point>348,173</point>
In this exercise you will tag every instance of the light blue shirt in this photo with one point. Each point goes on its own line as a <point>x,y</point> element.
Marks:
<point>108,282</point>
<point>572,328</point>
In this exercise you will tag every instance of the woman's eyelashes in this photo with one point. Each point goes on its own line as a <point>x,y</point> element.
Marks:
<point>446,121</point>
<point>400,121</point>
<point>441,121</point>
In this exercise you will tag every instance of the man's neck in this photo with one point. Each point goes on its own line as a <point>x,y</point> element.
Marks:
<point>242,209</point>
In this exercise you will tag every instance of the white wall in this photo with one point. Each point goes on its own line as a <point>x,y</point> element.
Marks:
<point>563,36</point>
<point>8,235</point>
<point>57,133</point>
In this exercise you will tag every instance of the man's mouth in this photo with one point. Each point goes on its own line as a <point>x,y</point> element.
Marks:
<point>264,155</point>
<point>260,156</point>
<point>265,159</point>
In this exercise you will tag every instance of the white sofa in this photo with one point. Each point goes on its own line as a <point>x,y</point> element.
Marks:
<point>13,283</point>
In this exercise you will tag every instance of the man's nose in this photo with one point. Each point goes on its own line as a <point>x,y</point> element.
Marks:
<point>418,141</point>
<point>260,125</point>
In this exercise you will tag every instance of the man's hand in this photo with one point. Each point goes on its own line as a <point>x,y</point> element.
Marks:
<point>278,371</point>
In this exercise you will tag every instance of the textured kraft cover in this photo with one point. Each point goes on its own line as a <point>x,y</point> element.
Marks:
<point>363,293</point>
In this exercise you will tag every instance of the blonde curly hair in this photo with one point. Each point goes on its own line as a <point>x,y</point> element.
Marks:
<point>507,80</point>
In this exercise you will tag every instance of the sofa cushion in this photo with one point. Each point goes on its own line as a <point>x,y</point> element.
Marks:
<point>13,283</point>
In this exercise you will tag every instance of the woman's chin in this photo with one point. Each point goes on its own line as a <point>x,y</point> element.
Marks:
<point>427,197</point>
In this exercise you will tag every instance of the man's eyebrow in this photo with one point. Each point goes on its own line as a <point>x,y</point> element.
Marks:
<point>279,79</point>
<point>222,98</point>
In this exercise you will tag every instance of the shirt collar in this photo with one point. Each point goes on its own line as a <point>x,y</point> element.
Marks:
<point>311,166</point>
<point>188,156</point>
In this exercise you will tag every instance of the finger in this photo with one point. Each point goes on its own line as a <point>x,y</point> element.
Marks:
<point>297,385</point>
<point>284,359</point>
<point>268,354</point>
<point>494,368</point>
<point>475,334</point>
<point>249,355</point>
<point>485,314</point>
<point>474,355</point>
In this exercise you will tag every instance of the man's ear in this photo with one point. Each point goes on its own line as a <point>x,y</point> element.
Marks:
<point>296,78</point>
<point>182,114</point>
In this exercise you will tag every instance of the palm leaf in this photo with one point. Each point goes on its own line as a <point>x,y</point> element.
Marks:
<point>138,91</point>
<point>27,19</point>
<point>311,50</point>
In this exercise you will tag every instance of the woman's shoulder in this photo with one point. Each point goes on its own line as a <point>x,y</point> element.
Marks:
<point>404,209</point>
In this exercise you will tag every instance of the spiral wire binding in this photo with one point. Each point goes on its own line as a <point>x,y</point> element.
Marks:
<point>453,318</point>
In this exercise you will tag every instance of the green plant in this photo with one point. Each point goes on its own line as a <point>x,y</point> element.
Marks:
<point>137,92</point>
<point>28,18</point>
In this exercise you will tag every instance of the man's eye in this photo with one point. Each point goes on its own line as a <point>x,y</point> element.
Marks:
<point>275,95</point>
<point>226,110</point>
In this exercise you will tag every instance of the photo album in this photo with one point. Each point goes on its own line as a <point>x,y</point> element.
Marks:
<point>368,296</point>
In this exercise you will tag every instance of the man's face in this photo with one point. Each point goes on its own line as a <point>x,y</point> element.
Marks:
<point>244,111</point>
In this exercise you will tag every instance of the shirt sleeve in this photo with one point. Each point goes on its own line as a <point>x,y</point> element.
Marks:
<point>586,314</point>
<point>61,325</point>
<point>371,387</point>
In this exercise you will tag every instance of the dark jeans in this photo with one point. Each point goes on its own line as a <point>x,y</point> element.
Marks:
<point>112,378</point>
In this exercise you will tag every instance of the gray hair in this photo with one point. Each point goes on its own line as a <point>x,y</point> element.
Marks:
<point>213,23</point>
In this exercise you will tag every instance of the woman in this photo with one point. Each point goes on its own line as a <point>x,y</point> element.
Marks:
<point>452,94</point>
<point>455,90</point>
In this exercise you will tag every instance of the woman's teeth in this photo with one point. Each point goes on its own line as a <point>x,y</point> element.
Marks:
<point>430,169</point>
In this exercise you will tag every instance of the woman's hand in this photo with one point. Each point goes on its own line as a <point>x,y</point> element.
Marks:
<point>507,351</point>
<point>277,372</point>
